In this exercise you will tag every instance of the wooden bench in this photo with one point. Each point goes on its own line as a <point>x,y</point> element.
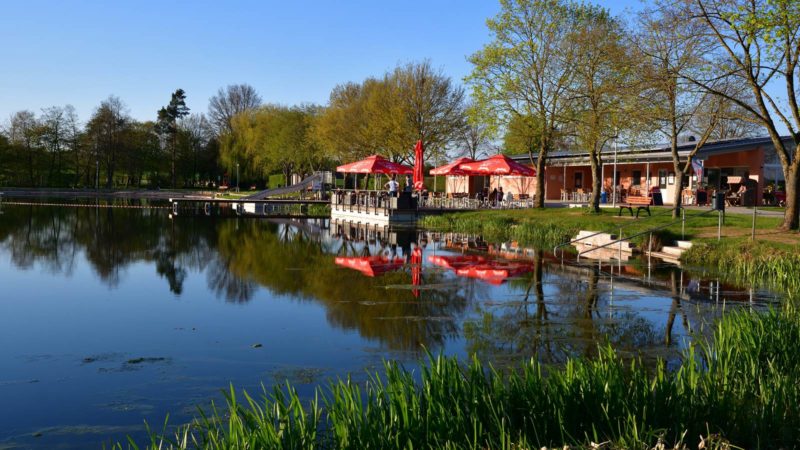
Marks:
<point>640,203</point>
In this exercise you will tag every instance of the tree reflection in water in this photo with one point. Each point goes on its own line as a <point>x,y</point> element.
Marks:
<point>560,312</point>
<point>555,311</point>
<point>238,256</point>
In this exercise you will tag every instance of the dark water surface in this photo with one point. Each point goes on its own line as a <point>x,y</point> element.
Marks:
<point>110,317</point>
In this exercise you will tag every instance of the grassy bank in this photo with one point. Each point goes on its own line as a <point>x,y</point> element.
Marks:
<point>546,228</point>
<point>776,265</point>
<point>742,388</point>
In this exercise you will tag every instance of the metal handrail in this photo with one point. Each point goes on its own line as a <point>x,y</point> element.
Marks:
<point>573,241</point>
<point>661,227</point>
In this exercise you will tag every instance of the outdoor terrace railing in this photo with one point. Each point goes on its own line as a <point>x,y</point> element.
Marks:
<point>474,203</point>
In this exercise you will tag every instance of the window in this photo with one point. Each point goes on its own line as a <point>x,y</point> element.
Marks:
<point>578,179</point>
<point>637,178</point>
<point>662,178</point>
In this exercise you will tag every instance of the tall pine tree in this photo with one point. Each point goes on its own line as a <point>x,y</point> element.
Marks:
<point>167,126</point>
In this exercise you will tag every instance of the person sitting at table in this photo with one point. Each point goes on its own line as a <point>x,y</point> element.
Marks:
<point>509,197</point>
<point>492,196</point>
<point>500,195</point>
<point>392,186</point>
<point>743,184</point>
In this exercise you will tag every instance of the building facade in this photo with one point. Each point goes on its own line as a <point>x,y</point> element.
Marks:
<point>641,170</point>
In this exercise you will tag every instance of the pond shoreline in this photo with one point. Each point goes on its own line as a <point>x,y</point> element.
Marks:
<point>123,194</point>
<point>706,402</point>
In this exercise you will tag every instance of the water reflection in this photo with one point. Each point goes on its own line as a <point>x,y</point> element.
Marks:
<point>548,308</point>
<point>196,294</point>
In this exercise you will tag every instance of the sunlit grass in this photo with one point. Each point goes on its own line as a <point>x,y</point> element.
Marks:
<point>549,227</point>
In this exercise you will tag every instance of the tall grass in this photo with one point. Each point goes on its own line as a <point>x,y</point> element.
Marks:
<point>743,387</point>
<point>542,231</point>
<point>776,266</point>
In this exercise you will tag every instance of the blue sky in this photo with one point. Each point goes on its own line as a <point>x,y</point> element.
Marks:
<point>79,52</point>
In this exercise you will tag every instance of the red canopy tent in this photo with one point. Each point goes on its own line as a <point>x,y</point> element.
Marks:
<point>497,165</point>
<point>370,265</point>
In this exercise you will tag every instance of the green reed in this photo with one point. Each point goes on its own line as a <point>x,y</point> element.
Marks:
<point>742,386</point>
<point>774,265</point>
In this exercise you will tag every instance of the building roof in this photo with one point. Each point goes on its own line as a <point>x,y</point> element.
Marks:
<point>660,152</point>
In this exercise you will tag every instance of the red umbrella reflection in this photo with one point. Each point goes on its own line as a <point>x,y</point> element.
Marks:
<point>454,262</point>
<point>494,272</point>
<point>416,270</point>
<point>370,265</point>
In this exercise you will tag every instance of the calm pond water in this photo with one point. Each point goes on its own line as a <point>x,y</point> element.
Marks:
<point>112,317</point>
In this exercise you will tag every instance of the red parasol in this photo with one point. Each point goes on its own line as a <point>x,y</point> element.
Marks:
<point>375,164</point>
<point>498,165</point>
<point>370,265</point>
<point>419,166</point>
<point>452,168</point>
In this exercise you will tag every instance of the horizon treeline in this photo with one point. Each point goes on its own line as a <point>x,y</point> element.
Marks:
<point>183,148</point>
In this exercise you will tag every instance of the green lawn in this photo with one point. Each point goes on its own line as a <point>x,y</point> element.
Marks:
<point>531,226</point>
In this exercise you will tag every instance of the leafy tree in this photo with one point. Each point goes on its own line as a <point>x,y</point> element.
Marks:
<point>106,132</point>
<point>22,132</point>
<point>602,84</point>
<point>167,127</point>
<point>195,134</point>
<point>428,107</point>
<point>474,140</point>
<point>412,102</point>
<point>352,125</point>
<point>758,46</point>
<point>228,103</point>
<point>278,138</point>
<point>522,136</point>
<point>669,49</point>
<point>527,67</point>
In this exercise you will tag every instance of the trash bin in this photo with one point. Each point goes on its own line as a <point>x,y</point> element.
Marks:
<point>604,197</point>
<point>718,201</point>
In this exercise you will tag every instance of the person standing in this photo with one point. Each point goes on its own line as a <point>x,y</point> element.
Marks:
<point>392,186</point>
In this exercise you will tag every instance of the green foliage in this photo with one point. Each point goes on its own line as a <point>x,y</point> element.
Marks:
<point>272,138</point>
<point>751,263</point>
<point>523,135</point>
<point>275,181</point>
<point>547,228</point>
<point>741,387</point>
<point>388,115</point>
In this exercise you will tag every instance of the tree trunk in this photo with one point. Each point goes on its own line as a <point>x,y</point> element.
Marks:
<point>677,196</point>
<point>597,178</point>
<point>790,217</point>
<point>538,201</point>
